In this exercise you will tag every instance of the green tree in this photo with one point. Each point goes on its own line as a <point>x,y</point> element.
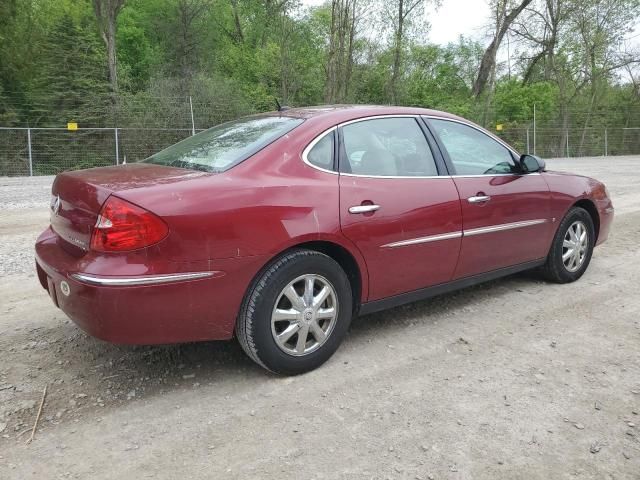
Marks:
<point>514,102</point>
<point>70,78</point>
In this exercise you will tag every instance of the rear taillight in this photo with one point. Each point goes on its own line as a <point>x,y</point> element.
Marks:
<point>123,226</point>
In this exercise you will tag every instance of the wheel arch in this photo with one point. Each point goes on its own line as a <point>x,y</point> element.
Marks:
<point>346,260</point>
<point>592,210</point>
<point>349,260</point>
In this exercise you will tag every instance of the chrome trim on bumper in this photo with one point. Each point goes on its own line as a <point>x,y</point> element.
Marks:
<point>416,241</point>
<point>504,226</point>
<point>141,280</point>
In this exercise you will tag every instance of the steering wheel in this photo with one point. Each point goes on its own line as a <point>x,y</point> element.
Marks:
<point>502,167</point>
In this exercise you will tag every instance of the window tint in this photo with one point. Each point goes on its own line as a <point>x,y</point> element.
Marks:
<point>387,147</point>
<point>321,155</point>
<point>224,146</point>
<point>473,152</point>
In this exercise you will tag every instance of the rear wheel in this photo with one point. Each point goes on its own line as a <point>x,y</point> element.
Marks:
<point>572,247</point>
<point>296,313</point>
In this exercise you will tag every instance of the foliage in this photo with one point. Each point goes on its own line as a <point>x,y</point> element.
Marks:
<point>514,101</point>
<point>70,80</point>
<point>236,56</point>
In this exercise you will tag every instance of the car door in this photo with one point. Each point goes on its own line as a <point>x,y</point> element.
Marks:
<point>395,206</point>
<point>505,213</point>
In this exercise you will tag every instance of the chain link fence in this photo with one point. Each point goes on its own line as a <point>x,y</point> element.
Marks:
<point>48,151</point>
<point>145,125</point>
<point>149,124</point>
<point>578,142</point>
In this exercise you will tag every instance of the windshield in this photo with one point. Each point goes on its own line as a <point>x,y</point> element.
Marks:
<point>224,146</point>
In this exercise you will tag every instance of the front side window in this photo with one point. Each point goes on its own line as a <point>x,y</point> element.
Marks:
<point>224,146</point>
<point>321,154</point>
<point>387,147</point>
<point>473,152</point>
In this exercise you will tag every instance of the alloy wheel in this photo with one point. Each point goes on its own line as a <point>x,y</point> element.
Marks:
<point>304,315</point>
<point>575,246</point>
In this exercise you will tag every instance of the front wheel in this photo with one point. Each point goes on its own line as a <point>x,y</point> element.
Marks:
<point>296,313</point>
<point>572,247</point>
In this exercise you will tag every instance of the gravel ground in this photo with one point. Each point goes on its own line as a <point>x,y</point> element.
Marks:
<point>513,379</point>
<point>23,203</point>
<point>20,193</point>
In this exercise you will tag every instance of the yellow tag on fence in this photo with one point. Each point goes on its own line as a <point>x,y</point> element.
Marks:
<point>72,126</point>
<point>499,127</point>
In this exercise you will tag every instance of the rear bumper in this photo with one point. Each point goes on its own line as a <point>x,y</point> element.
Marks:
<point>152,308</point>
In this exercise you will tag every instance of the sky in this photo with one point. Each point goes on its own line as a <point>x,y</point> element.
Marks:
<point>468,18</point>
<point>471,18</point>
<point>452,19</point>
<point>458,17</point>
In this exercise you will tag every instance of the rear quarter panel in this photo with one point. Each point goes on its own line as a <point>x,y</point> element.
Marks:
<point>263,206</point>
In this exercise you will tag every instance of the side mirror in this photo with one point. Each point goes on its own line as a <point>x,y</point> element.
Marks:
<point>532,164</point>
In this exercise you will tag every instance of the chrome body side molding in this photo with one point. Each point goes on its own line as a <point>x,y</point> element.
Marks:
<point>504,226</point>
<point>465,233</point>
<point>431,238</point>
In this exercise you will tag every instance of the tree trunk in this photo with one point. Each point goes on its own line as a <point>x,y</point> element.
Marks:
<point>236,20</point>
<point>285,66</point>
<point>269,14</point>
<point>565,129</point>
<point>187,12</point>
<point>329,90</point>
<point>349,66</point>
<point>106,12</point>
<point>534,61</point>
<point>340,52</point>
<point>583,137</point>
<point>397,54</point>
<point>488,63</point>
<point>487,66</point>
<point>488,99</point>
<point>112,59</point>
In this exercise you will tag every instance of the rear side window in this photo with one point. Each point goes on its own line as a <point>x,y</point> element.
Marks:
<point>387,147</point>
<point>224,146</point>
<point>321,154</point>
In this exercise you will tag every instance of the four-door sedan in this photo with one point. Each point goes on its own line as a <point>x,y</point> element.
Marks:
<point>279,228</point>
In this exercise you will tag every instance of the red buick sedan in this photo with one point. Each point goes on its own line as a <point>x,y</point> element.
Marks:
<point>279,228</point>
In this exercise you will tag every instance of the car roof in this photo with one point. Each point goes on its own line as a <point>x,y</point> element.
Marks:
<point>345,113</point>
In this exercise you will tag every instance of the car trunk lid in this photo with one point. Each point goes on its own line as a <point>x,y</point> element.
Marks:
<point>77,197</point>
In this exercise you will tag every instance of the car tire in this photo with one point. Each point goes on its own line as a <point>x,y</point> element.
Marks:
<point>267,338</point>
<point>563,266</point>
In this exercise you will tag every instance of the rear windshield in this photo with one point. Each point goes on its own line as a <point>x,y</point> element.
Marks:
<point>224,146</point>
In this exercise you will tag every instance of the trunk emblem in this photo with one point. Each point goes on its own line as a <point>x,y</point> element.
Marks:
<point>55,205</point>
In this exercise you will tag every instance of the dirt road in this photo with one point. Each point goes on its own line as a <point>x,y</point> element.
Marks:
<point>514,379</point>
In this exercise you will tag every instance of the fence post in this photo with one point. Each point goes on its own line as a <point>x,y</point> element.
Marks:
<point>30,153</point>
<point>568,154</point>
<point>117,149</point>
<point>193,123</point>
<point>534,128</point>
<point>606,143</point>
<point>528,149</point>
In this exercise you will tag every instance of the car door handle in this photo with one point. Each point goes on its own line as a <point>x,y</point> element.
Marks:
<point>479,199</point>
<point>363,208</point>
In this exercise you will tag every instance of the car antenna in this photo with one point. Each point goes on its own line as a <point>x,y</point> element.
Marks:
<point>281,108</point>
